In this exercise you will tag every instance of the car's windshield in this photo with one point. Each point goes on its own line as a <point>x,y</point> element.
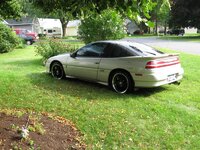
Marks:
<point>145,50</point>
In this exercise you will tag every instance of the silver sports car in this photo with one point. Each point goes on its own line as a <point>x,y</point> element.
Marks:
<point>121,65</point>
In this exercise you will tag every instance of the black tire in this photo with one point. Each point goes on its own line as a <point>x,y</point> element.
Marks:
<point>121,82</point>
<point>28,42</point>
<point>57,71</point>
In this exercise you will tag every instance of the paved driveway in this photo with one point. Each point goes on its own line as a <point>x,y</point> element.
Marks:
<point>188,47</point>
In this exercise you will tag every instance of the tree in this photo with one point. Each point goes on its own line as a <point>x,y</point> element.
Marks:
<point>8,39</point>
<point>107,26</point>
<point>10,9</point>
<point>161,14</point>
<point>164,14</point>
<point>185,13</point>
<point>136,10</point>
<point>66,10</point>
<point>32,11</point>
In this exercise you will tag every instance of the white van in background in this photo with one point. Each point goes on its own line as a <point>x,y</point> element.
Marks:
<point>50,27</point>
<point>52,32</point>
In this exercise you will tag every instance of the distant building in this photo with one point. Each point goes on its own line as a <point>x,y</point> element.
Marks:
<point>131,27</point>
<point>26,23</point>
<point>190,30</point>
<point>72,28</point>
<point>4,22</point>
<point>44,26</point>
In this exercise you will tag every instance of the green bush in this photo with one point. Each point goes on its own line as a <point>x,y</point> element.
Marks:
<point>22,44</point>
<point>52,47</point>
<point>105,26</point>
<point>8,39</point>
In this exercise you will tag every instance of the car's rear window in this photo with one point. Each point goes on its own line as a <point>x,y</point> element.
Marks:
<point>144,49</point>
<point>117,50</point>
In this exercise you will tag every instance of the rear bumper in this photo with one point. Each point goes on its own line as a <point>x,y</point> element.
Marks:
<point>156,79</point>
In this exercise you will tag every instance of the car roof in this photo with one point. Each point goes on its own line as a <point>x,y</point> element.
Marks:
<point>111,41</point>
<point>120,42</point>
<point>138,48</point>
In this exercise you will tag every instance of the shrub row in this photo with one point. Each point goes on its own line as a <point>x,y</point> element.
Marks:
<point>52,47</point>
<point>8,39</point>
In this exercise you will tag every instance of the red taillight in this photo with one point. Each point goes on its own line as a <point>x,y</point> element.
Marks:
<point>162,63</point>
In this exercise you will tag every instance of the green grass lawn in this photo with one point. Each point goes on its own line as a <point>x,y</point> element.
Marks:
<point>167,117</point>
<point>141,36</point>
<point>186,37</point>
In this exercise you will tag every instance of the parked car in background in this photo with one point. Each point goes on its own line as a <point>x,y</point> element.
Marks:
<point>138,32</point>
<point>176,32</point>
<point>28,39</point>
<point>121,65</point>
<point>27,33</point>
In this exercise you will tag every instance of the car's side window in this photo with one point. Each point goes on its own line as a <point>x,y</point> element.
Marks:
<point>115,50</point>
<point>91,50</point>
<point>22,36</point>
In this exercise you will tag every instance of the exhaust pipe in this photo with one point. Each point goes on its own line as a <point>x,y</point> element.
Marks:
<point>177,83</point>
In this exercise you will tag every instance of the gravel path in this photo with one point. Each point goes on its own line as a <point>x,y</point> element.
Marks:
<point>188,47</point>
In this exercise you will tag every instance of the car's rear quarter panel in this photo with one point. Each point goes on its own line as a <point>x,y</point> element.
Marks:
<point>129,64</point>
<point>136,67</point>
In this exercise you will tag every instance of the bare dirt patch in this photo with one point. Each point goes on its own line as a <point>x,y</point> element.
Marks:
<point>45,132</point>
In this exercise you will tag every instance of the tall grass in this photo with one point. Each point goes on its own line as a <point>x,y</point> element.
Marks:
<point>167,117</point>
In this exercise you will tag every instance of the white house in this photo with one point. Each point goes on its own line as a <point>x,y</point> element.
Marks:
<point>190,30</point>
<point>72,28</point>
<point>50,27</point>
<point>131,27</point>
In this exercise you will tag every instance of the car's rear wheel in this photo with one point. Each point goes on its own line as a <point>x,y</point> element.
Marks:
<point>121,82</point>
<point>57,71</point>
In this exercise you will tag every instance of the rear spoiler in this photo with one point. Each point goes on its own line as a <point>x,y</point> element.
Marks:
<point>159,62</point>
<point>163,56</point>
<point>152,57</point>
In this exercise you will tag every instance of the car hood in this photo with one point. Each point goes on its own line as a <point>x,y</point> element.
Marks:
<point>32,33</point>
<point>59,57</point>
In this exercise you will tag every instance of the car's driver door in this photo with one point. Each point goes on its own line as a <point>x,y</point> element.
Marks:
<point>85,62</point>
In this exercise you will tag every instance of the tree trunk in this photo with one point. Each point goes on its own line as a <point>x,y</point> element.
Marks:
<point>156,19</point>
<point>149,30</point>
<point>156,27</point>
<point>64,26</point>
<point>165,29</point>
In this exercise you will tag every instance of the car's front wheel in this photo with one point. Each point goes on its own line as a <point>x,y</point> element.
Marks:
<point>121,82</point>
<point>57,71</point>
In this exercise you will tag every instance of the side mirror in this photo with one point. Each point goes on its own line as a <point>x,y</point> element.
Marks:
<point>73,55</point>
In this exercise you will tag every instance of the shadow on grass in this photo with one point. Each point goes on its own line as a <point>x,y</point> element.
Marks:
<point>75,87</point>
<point>84,89</point>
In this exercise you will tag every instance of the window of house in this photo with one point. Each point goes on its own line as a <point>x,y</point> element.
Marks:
<point>50,31</point>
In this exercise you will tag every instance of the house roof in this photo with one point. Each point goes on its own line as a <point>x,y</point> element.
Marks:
<point>23,20</point>
<point>4,22</point>
<point>74,23</point>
